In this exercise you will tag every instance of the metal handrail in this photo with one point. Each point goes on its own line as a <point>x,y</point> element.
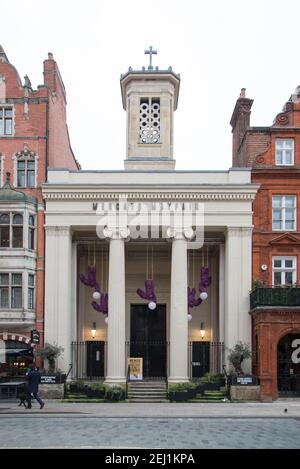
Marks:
<point>127,379</point>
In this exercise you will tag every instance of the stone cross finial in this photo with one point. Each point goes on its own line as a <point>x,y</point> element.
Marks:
<point>150,52</point>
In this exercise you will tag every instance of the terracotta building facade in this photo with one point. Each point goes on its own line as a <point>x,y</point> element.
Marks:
<point>33,136</point>
<point>273,153</point>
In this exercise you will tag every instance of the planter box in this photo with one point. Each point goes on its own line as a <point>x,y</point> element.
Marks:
<point>179,396</point>
<point>53,379</point>
<point>244,380</point>
<point>51,391</point>
<point>245,393</point>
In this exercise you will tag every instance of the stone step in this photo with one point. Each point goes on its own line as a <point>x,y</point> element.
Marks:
<point>148,388</point>
<point>148,401</point>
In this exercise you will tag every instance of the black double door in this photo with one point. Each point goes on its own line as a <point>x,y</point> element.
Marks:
<point>148,339</point>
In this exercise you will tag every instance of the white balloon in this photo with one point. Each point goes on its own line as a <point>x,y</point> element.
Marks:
<point>189,316</point>
<point>106,320</point>
<point>152,305</point>
<point>203,295</point>
<point>96,295</point>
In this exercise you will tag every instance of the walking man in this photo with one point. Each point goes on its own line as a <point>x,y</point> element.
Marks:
<point>34,378</point>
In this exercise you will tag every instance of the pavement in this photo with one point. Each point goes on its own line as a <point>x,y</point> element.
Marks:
<point>282,408</point>
<point>124,425</point>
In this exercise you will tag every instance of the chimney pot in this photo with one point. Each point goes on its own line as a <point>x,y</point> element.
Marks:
<point>243,93</point>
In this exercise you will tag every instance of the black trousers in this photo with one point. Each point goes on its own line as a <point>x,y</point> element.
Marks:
<point>36,396</point>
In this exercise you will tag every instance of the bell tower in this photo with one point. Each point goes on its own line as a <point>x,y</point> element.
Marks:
<point>150,97</point>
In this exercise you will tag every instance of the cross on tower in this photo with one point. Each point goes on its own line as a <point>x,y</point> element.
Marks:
<point>150,52</point>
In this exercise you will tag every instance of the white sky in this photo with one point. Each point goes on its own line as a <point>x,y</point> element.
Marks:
<point>217,46</point>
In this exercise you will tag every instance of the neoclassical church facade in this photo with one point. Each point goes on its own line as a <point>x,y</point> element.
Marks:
<point>169,267</point>
<point>125,249</point>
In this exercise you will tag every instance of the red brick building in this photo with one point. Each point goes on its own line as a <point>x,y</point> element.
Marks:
<point>33,137</point>
<point>273,153</point>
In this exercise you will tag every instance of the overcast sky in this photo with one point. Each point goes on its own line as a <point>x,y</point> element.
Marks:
<point>218,47</point>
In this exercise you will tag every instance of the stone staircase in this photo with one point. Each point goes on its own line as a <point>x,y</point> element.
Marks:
<point>147,391</point>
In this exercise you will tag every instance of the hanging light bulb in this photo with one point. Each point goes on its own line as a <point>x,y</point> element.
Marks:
<point>106,319</point>
<point>96,295</point>
<point>151,305</point>
<point>203,296</point>
<point>189,316</point>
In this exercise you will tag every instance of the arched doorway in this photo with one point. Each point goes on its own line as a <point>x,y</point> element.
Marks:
<point>288,363</point>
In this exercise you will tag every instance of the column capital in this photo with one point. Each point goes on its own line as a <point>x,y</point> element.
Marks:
<point>180,233</point>
<point>57,230</point>
<point>239,230</point>
<point>116,233</point>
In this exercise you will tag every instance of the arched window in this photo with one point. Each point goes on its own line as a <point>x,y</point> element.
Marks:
<point>26,161</point>
<point>31,230</point>
<point>17,231</point>
<point>4,230</point>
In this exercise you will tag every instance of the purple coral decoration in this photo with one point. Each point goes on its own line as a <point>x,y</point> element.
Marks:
<point>205,281</point>
<point>148,294</point>
<point>192,300</point>
<point>90,280</point>
<point>205,278</point>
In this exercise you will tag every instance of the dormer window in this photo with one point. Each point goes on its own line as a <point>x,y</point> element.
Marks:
<point>284,149</point>
<point>6,121</point>
<point>149,120</point>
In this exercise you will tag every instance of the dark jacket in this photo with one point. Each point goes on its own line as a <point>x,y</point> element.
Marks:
<point>34,378</point>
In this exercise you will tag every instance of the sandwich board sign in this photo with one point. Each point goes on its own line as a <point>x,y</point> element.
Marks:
<point>135,368</point>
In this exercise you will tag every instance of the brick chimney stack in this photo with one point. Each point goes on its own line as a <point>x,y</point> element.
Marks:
<point>240,121</point>
<point>52,77</point>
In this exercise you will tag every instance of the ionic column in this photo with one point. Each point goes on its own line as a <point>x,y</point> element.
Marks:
<point>58,291</point>
<point>238,254</point>
<point>178,312</point>
<point>221,293</point>
<point>116,310</point>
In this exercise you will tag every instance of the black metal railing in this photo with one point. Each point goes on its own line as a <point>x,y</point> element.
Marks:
<point>275,296</point>
<point>154,354</point>
<point>88,360</point>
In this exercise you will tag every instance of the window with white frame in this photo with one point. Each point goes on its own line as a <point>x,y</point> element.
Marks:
<point>11,230</point>
<point>31,295</point>
<point>11,290</point>
<point>31,232</point>
<point>284,271</point>
<point>284,150</point>
<point>6,121</point>
<point>284,212</point>
<point>26,171</point>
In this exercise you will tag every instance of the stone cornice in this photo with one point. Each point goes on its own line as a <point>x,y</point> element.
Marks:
<point>204,195</point>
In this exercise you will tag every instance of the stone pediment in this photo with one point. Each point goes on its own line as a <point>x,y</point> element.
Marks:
<point>285,238</point>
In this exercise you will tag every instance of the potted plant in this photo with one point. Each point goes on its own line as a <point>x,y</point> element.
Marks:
<point>239,353</point>
<point>50,353</point>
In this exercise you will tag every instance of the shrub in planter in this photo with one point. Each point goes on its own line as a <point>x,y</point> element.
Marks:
<point>115,393</point>
<point>182,391</point>
<point>240,352</point>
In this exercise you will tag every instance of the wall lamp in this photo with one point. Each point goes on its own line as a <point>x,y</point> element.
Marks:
<point>93,330</point>
<point>202,330</point>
